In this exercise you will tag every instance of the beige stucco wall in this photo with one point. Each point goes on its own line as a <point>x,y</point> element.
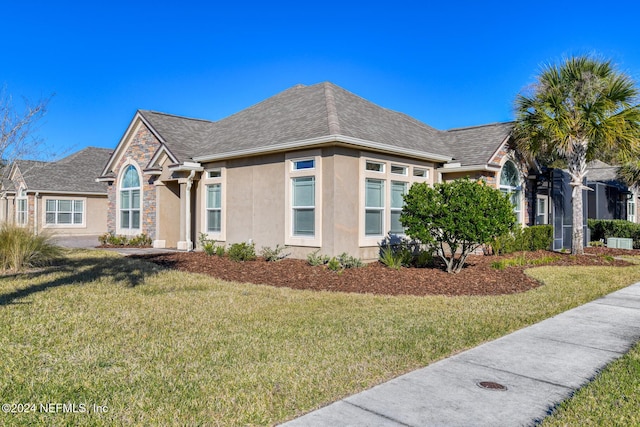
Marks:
<point>255,200</point>
<point>95,215</point>
<point>168,215</point>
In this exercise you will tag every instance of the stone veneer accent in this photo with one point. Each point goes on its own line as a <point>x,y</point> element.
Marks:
<point>141,147</point>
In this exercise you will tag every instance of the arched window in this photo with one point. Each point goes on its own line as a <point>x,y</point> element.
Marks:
<point>130,199</point>
<point>510,184</point>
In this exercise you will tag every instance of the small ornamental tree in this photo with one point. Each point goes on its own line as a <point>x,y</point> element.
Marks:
<point>456,217</point>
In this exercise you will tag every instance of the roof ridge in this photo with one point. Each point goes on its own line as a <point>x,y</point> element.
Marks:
<point>332,112</point>
<point>479,126</point>
<point>176,116</point>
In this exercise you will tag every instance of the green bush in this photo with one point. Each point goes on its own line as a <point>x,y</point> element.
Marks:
<point>275,254</point>
<point>315,258</point>
<point>405,254</point>
<point>536,237</point>
<point>393,258</point>
<point>140,240</point>
<point>240,252</point>
<point>20,249</point>
<point>456,218</point>
<point>334,264</point>
<point>605,228</point>
<point>348,261</point>
<point>115,240</point>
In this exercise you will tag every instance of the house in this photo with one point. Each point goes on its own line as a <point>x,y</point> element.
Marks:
<point>313,167</point>
<point>61,197</point>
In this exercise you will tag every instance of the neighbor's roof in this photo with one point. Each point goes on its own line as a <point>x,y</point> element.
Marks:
<point>476,145</point>
<point>307,113</point>
<point>600,171</point>
<point>75,173</point>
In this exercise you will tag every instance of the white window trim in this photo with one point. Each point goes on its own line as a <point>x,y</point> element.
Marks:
<point>632,202</point>
<point>546,211</point>
<point>83,224</point>
<point>21,197</point>
<point>364,174</point>
<point>218,236</point>
<point>290,173</point>
<point>511,189</point>
<point>123,168</point>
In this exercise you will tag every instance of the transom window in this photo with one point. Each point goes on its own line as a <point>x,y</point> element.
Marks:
<point>130,199</point>
<point>419,172</point>
<point>303,164</point>
<point>64,212</point>
<point>303,204</point>
<point>375,166</point>
<point>215,173</point>
<point>399,170</point>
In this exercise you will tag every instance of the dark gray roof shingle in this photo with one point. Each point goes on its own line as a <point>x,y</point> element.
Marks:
<point>306,112</point>
<point>75,173</point>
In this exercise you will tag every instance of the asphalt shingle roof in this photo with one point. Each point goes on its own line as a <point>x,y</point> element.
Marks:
<point>600,171</point>
<point>74,173</point>
<point>307,112</point>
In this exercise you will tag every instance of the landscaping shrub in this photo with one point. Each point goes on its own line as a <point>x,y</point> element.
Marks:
<point>208,246</point>
<point>20,248</point>
<point>348,261</point>
<point>456,218</point>
<point>115,240</point>
<point>315,258</point>
<point>536,237</point>
<point>240,252</point>
<point>605,228</point>
<point>275,254</point>
<point>405,254</point>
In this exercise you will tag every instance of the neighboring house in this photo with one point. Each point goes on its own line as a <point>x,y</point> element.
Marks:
<point>313,167</point>
<point>62,197</point>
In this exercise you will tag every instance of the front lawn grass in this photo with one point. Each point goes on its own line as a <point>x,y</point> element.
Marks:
<point>612,399</point>
<point>162,347</point>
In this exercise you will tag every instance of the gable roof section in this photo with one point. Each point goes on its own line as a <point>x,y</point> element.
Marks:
<point>75,173</point>
<point>476,145</point>
<point>600,171</point>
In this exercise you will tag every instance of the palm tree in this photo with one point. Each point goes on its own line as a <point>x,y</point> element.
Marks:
<point>578,111</point>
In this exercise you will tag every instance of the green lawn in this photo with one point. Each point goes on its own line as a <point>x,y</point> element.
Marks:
<point>159,347</point>
<point>612,399</point>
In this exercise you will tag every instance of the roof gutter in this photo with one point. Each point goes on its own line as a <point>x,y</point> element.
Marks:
<point>186,167</point>
<point>468,168</point>
<point>329,139</point>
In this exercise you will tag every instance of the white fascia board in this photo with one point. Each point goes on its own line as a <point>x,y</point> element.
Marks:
<point>72,193</point>
<point>469,168</point>
<point>361,143</point>
<point>186,167</point>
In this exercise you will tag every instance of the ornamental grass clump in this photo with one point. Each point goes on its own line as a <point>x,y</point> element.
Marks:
<point>20,249</point>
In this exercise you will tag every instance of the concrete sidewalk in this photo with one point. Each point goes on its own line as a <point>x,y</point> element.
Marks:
<point>539,366</point>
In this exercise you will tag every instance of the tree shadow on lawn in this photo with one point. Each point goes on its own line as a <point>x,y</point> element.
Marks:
<point>78,271</point>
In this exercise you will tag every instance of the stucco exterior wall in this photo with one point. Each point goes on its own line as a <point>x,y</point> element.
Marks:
<point>94,221</point>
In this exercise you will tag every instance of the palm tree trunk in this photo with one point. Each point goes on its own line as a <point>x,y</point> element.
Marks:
<point>578,170</point>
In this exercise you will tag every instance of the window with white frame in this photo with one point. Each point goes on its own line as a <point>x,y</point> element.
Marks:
<point>541,210</point>
<point>374,207</point>
<point>303,192</point>
<point>130,199</point>
<point>398,190</point>
<point>385,182</point>
<point>303,164</point>
<point>64,212</point>
<point>21,207</point>
<point>631,208</point>
<point>214,208</point>
<point>510,184</point>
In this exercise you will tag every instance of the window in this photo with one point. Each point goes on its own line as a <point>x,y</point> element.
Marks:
<point>420,173</point>
<point>214,208</point>
<point>541,210</point>
<point>130,199</point>
<point>303,204</point>
<point>398,190</point>
<point>374,207</point>
<point>631,209</point>
<point>21,209</point>
<point>375,166</point>
<point>399,170</point>
<point>215,173</point>
<point>303,164</point>
<point>510,184</point>
<point>64,212</point>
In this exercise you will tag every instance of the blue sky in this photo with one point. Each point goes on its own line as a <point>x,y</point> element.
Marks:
<point>449,64</point>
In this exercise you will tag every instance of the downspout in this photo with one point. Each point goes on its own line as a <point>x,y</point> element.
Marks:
<point>188,211</point>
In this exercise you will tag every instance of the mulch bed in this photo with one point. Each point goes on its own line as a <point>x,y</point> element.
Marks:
<point>476,278</point>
